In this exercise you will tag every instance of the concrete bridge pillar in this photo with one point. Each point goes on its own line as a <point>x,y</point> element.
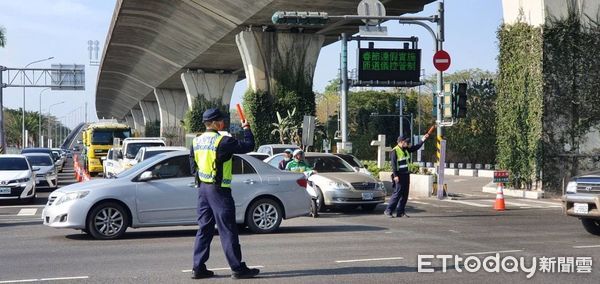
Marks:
<point>150,114</point>
<point>138,121</point>
<point>149,111</point>
<point>215,88</point>
<point>269,56</point>
<point>172,105</point>
<point>129,121</point>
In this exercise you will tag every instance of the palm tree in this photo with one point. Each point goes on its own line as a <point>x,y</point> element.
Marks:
<point>2,36</point>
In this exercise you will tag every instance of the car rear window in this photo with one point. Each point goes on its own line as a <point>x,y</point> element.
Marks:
<point>13,164</point>
<point>40,160</point>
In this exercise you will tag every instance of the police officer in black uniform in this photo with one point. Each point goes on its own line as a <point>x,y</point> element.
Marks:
<point>400,159</point>
<point>211,155</point>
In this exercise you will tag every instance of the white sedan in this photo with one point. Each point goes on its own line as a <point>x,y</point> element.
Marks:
<point>159,192</point>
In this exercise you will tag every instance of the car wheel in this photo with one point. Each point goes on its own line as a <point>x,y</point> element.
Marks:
<point>320,200</point>
<point>93,174</point>
<point>107,221</point>
<point>592,226</point>
<point>264,216</point>
<point>368,207</point>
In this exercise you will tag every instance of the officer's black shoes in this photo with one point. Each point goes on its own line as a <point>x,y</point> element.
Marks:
<point>388,214</point>
<point>403,215</point>
<point>202,273</point>
<point>245,272</point>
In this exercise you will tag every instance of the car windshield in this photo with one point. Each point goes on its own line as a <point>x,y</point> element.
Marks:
<point>13,164</point>
<point>136,167</point>
<point>133,148</point>
<point>328,164</point>
<point>150,154</point>
<point>40,160</point>
<point>353,161</point>
<point>281,150</point>
<point>105,136</point>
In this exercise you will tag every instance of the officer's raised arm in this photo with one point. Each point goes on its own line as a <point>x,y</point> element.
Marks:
<point>234,146</point>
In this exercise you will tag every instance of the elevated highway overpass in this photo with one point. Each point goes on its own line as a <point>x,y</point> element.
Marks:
<point>161,54</point>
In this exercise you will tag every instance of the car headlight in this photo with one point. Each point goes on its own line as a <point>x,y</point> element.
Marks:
<point>71,196</point>
<point>380,186</point>
<point>572,187</point>
<point>338,185</point>
<point>23,180</point>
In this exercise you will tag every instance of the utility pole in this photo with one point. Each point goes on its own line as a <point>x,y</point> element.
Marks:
<point>344,91</point>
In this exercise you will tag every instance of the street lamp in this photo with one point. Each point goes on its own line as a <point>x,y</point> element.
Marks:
<point>49,113</point>
<point>40,119</point>
<point>23,120</point>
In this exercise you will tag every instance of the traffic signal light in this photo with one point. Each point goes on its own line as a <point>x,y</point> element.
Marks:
<point>300,18</point>
<point>448,102</point>
<point>459,93</point>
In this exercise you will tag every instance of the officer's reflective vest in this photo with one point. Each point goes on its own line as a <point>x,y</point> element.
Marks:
<point>402,160</point>
<point>205,155</point>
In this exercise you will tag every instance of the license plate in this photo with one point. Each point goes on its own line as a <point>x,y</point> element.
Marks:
<point>4,190</point>
<point>367,196</point>
<point>581,208</point>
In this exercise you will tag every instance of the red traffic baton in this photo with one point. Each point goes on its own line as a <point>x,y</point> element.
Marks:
<point>240,112</point>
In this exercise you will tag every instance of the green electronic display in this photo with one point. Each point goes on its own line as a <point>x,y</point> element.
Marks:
<point>377,64</point>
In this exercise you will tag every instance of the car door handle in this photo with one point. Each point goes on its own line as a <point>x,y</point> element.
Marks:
<point>249,181</point>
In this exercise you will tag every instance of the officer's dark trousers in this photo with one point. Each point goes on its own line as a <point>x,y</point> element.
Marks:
<point>400,196</point>
<point>215,205</point>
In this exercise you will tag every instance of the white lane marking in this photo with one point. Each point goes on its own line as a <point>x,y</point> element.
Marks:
<point>28,206</point>
<point>552,204</point>
<point>581,247</point>
<point>467,203</point>
<point>19,281</point>
<point>454,231</point>
<point>45,279</point>
<point>65,278</point>
<point>222,268</point>
<point>460,180</point>
<point>454,211</point>
<point>492,252</point>
<point>27,212</point>
<point>512,203</point>
<point>419,202</point>
<point>368,259</point>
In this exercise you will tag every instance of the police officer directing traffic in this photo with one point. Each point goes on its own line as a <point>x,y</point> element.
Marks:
<point>400,158</point>
<point>211,155</point>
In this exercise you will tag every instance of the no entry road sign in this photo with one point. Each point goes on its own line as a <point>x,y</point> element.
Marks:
<point>441,60</point>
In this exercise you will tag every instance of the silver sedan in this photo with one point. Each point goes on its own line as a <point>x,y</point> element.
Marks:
<point>159,192</point>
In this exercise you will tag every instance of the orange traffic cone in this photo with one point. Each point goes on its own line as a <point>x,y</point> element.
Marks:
<point>499,206</point>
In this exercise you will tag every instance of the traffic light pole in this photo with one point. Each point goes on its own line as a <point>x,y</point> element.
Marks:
<point>440,94</point>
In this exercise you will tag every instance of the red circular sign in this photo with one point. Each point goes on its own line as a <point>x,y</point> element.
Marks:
<point>441,60</point>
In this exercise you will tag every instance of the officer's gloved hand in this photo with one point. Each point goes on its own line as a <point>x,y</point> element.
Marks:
<point>245,124</point>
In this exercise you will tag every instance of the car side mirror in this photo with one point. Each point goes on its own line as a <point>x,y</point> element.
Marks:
<point>146,176</point>
<point>35,169</point>
<point>119,154</point>
<point>356,169</point>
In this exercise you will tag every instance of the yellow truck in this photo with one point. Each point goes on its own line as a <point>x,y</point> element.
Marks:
<point>98,139</point>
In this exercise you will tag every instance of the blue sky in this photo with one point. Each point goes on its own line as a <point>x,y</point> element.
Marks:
<point>38,29</point>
